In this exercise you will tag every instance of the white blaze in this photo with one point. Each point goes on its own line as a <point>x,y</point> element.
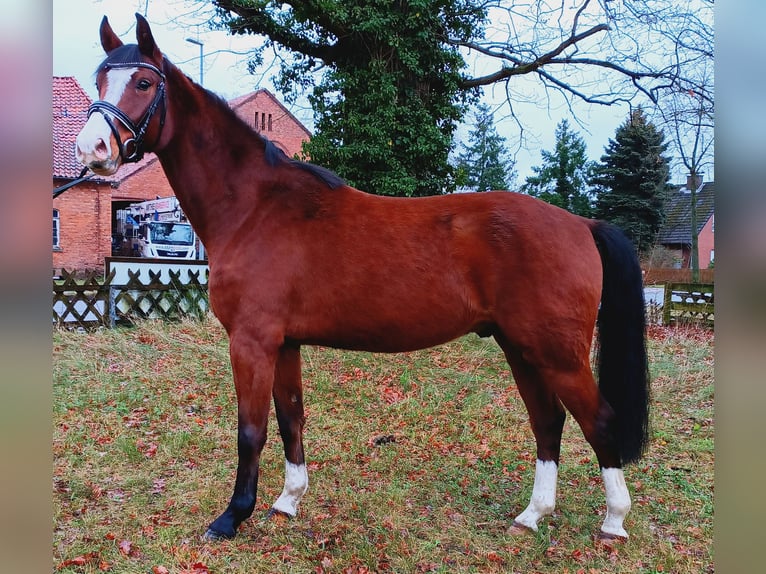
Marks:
<point>543,499</point>
<point>296,485</point>
<point>93,140</point>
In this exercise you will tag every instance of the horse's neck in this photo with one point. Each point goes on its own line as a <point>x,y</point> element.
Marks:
<point>198,162</point>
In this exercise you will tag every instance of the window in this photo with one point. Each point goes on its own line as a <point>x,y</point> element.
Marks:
<point>56,234</point>
<point>262,123</point>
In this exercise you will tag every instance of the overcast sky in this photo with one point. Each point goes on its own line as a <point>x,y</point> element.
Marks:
<point>77,51</point>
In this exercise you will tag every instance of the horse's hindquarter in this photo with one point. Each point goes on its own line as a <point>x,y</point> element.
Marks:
<point>390,274</point>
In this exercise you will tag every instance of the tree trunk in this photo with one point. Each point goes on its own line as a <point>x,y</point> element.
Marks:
<point>693,183</point>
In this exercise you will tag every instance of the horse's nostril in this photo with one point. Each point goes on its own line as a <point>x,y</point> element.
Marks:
<point>101,150</point>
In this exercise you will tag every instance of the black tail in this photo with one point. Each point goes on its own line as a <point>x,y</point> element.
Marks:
<point>623,370</point>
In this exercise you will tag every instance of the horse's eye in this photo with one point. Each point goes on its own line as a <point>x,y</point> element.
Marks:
<point>143,85</point>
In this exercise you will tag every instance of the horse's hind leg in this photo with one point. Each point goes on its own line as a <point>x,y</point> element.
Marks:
<point>583,399</point>
<point>288,402</point>
<point>547,417</point>
<point>577,390</point>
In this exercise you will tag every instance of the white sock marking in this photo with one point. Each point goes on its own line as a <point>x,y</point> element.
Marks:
<point>543,499</point>
<point>617,501</point>
<point>296,485</point>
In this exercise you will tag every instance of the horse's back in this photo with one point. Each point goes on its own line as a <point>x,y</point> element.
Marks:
<point>394,274</point>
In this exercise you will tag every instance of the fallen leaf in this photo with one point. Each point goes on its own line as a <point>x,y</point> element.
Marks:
<point>494,557</point>
<point>158,485</point>
<point>81,560</point>
<point>126,547</point>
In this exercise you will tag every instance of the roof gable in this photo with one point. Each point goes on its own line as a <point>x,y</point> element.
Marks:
<point>677,228</point>
<point>262,92</point>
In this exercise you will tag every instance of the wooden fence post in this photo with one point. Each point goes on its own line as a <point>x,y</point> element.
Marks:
<point>666,302</point>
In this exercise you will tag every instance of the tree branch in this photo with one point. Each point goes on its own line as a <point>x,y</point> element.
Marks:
<point>256,19</point>
<point>525,68</point>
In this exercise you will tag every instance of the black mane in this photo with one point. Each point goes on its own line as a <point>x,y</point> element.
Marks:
<point>275,156</point>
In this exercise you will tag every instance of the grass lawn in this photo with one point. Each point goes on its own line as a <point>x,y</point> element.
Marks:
<point>144,444</point>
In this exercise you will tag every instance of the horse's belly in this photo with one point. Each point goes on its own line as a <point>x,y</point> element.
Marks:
<point>394,327</point>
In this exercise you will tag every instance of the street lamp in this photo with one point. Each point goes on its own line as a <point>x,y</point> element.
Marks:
<point>201,252</point>
<point>201,45</point>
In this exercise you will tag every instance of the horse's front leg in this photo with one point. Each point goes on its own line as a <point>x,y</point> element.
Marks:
<point>253,368</point>
<point>288,402</point>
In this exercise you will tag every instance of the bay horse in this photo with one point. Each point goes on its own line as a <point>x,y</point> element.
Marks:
<point>297,257</point>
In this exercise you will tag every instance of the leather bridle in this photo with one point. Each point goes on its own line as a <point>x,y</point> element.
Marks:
<point>110,111</point>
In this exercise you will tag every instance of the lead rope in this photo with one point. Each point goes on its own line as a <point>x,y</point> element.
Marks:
<point>62,188</point>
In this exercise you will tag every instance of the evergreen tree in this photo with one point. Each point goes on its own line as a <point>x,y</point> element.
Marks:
<point>632,180</point>
<point>562,179</point>
<point>484,164</point>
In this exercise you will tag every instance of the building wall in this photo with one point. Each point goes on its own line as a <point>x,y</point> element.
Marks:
<point>706,243</point>
<point>266,116</point>
<point>146,183</point>
<point>85,229</point>
<point>705,247</point>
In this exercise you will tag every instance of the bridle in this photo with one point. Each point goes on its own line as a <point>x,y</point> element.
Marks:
<point>110,111</point>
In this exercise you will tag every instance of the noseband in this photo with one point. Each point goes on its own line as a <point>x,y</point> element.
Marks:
<point>110,111</point>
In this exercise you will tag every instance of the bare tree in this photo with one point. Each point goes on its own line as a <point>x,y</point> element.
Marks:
<point>686,109</point>
<point>597,51</point>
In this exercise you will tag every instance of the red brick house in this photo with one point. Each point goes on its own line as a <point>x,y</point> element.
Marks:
<point>83,215</point>
<point>266,115</point>
<point>676,233</point>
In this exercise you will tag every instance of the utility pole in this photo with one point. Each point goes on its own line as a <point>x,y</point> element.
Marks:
<point>201,253</point>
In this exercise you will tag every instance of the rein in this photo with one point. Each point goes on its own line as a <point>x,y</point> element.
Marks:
<point>109,111</point>
<point>62,188</point>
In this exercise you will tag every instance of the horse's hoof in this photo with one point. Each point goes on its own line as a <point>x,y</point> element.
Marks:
<point>277,516</point>
<point>519,529</point>
<point>214,536</point>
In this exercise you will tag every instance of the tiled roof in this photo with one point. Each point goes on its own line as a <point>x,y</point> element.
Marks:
<point>677,228</point>
<point>70,109</point>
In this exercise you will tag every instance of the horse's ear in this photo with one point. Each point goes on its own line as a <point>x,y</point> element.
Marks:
<point>146,43</point>
<point>109,40</point>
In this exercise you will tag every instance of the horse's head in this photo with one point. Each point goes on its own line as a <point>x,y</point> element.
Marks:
<point>130,111</point>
